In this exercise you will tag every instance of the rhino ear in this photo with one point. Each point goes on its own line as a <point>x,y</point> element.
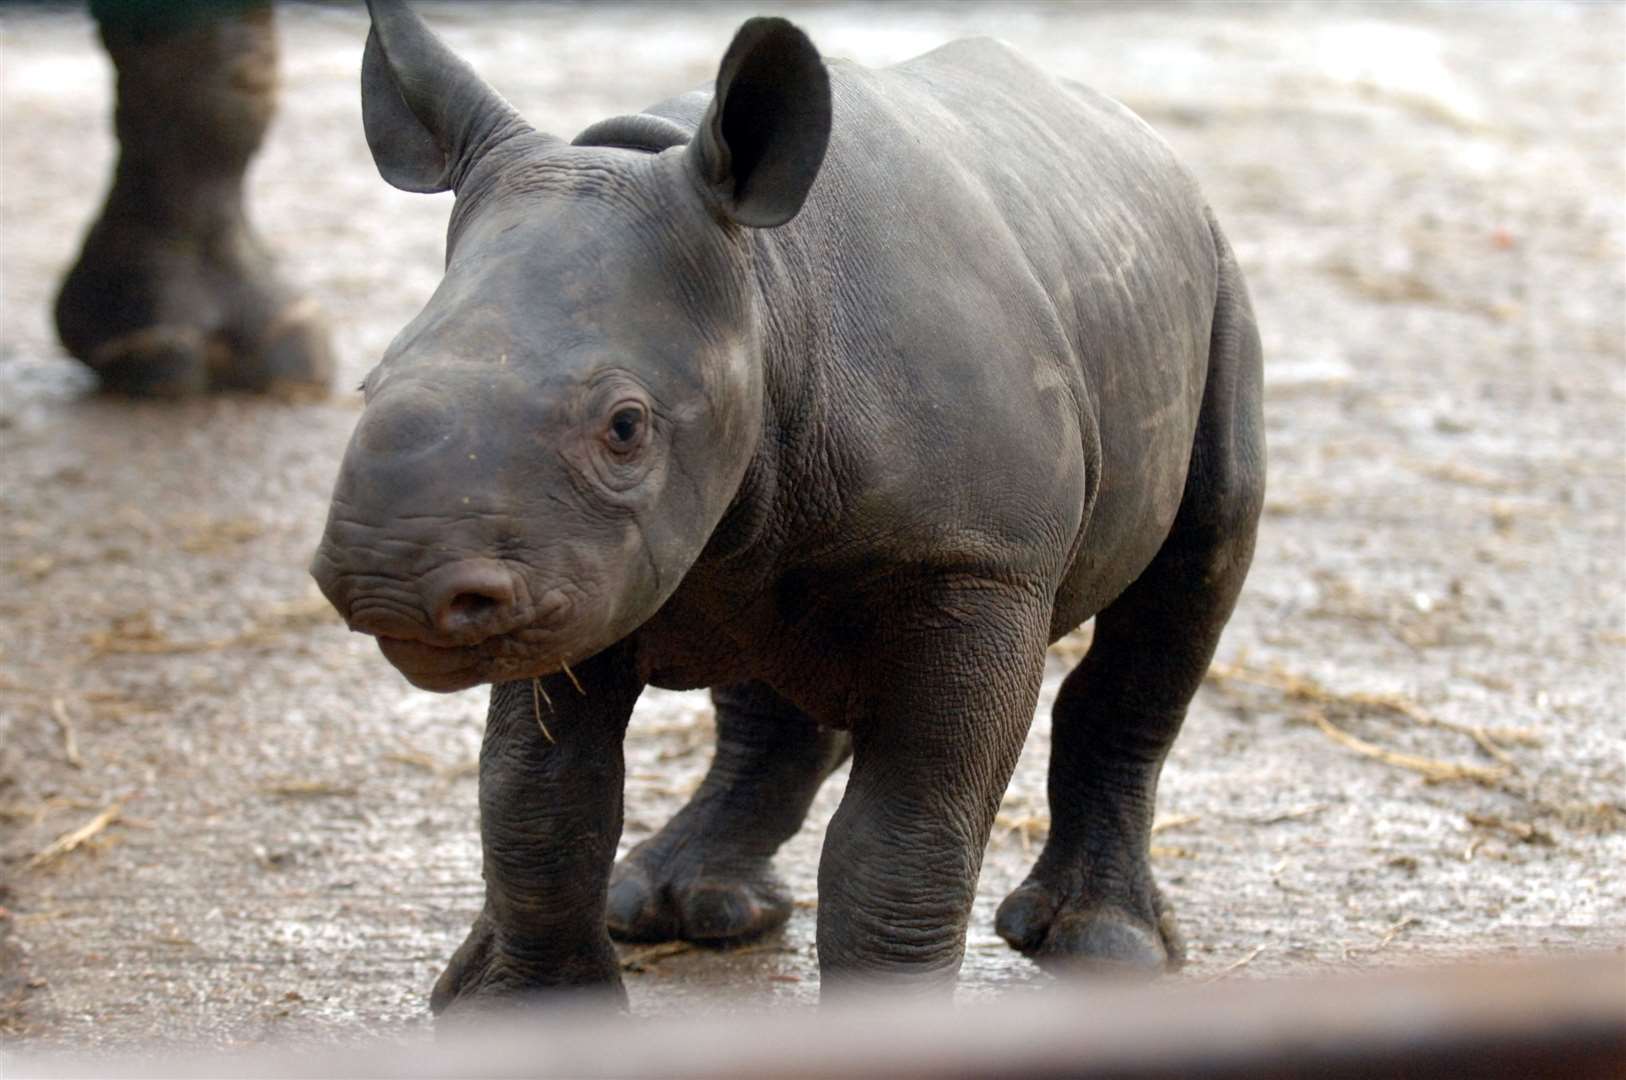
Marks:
<point>763,137</point>
<point>427,115</point>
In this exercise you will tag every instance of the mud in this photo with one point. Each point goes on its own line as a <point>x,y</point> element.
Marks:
<point>1430,206</point>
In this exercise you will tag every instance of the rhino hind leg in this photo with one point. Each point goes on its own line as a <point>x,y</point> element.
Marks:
<point>707,876</point>
<point>1091,902</point>
<point>173,293</point>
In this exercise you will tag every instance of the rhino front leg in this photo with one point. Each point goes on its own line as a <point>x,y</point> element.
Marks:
<point>707,875</point>
<point>550,818</point>
<point>948,709</point>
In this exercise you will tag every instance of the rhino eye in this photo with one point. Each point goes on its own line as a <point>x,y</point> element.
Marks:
<point>626,428</point>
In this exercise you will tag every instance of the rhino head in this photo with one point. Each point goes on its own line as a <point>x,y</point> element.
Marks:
<point>546,448</point>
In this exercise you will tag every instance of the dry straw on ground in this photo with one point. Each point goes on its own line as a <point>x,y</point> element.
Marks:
<point>1317,703</point>
<point>74,839</point>
<point>309,789</point>
<point>1431,769</point>
<point>1400,926</point>
<point>137,635</point>
<point>70,741</point>
<point>418,759</point>
<point>1238,965</point>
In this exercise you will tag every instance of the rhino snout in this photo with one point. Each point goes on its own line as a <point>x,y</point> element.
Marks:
<point>474,599</point>
<point>460,604</point>
<point>404,422</point>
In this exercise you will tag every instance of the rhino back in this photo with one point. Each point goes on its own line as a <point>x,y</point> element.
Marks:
<point>1006,286</point>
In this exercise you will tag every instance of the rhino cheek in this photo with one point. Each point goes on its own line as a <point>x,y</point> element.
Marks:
<point>734,396</point>
<point>594,591</point>
<point>641,574</point>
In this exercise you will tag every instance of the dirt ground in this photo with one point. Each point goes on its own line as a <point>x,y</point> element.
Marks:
<point>1411,748</point>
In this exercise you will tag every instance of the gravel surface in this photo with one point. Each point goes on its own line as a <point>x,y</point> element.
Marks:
<point>1412,747</point>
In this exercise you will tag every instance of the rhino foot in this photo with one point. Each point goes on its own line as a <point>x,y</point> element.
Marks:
<point>165,316</point>
<point>1069,933</point>
<point>484,975</point>
<point>173,294</point>
<point>680,897</point>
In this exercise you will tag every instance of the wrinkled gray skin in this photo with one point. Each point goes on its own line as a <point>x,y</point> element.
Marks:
<point>840,391</point>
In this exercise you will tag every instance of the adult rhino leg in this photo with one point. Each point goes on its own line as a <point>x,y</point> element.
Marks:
<point>1090,901</point>
<point>947,708</point>
<point>707,876</point>
<point>551,774</point>
<point>173,293</point>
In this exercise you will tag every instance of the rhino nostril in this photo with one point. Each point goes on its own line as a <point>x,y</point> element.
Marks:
<point>470,608</point>
<point>473,596</point>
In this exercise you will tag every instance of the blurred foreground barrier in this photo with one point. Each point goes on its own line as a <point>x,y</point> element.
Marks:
<point>1559,1018</point>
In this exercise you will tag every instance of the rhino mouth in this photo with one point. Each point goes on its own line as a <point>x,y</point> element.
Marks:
<point>433,667</point>
<point>472,640</point>
<point>445,668</point>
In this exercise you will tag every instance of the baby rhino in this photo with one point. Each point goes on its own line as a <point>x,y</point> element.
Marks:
<point>842,392</point>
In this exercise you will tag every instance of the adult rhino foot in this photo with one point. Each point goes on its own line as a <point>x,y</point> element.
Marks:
<point>484,975</point>
<point>666,891</point>
<point>173,294</point>
<point>1069,932</point>
<point>176,316</point>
